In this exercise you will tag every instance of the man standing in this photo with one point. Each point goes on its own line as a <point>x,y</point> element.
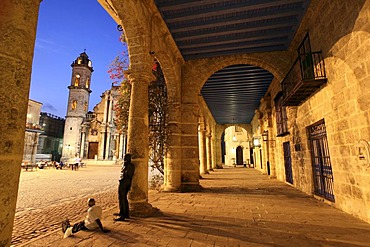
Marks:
<point>127,172</point>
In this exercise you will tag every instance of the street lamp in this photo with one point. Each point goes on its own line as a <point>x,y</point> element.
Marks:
<point>265,136</point>
<point>256,141</point>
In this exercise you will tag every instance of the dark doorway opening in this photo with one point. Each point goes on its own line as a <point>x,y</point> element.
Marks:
<point>239,155</point>
<point>288,163</point>
<point>93,150</point>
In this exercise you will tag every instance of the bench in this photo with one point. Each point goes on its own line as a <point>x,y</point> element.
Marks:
<point>28,166</point>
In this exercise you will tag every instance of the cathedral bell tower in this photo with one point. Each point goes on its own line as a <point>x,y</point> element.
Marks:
<point>78,104</point>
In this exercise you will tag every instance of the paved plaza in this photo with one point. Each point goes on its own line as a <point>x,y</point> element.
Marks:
<point>47,196</point>
<point>238,207</point>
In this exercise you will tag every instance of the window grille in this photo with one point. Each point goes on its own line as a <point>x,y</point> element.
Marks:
<point>281,117</point>
<point>321,164</point>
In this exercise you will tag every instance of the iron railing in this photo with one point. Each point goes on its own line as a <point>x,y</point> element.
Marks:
<point>308,67</point>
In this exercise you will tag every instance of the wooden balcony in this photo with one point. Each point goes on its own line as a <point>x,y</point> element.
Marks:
<point>305,78</point>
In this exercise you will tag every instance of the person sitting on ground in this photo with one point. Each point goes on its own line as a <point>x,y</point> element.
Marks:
<point>91,222</point>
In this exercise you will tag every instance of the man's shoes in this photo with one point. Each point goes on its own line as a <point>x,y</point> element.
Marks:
<point>119,219</point>
<point>68,232</point>
<point>65,225</point>
<point>116,214</point>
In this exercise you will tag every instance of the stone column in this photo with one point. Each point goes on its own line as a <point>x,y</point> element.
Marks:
<point>208,151</point>
<point>270,153</point>
<point>213,152</point>
<point>172,176</point>
<point>110,112</point>
<point>18,20</point>
<point>82,147</point>
<point>138,141</point>
<point>101,142</point>
<point>190,152</point>
<point>121,146</point>
<point>107,143</point>
<point>105,118</point>
<point>202,150</point>
<point>124,144</point>
<point>218,153</point>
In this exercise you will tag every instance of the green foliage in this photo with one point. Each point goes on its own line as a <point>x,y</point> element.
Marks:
<point>158,115</point>
<point>158,110</point>
<point>122,107</point>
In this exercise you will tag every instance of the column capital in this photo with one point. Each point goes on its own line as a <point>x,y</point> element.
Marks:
<point>141,76</point>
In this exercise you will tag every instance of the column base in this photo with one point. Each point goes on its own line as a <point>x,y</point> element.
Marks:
<point>169,188</point>
<point>206,172</point>
<point>142,210</point>
<point>210,170</point>
<point>191,188</point>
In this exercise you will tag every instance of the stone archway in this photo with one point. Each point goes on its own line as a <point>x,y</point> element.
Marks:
<point>197,72</point>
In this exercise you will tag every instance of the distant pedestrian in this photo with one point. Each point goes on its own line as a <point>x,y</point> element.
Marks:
<point>77,162</point>
<point>127,172</point>
<point>91,222</point>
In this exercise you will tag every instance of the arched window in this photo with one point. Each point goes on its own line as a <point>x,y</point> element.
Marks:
<point>85,106</point>
<point>77,80</point>
<point>79,61</point>
<point>74,105</point>
<point>87,82</point>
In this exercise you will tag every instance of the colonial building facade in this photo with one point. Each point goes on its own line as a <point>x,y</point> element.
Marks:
<point>51,140</point>
<point>100,139</point>
<point>90,135</point>
<point>33,131</point>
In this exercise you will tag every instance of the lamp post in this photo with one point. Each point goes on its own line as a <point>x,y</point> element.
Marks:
<point>265,137</point>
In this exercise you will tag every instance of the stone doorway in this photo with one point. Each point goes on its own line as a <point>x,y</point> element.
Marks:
<point>321,164</point>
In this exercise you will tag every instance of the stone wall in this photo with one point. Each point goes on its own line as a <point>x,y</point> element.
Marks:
<point>343,103</point>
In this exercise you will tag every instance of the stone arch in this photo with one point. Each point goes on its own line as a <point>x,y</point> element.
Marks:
<point>136,30</point>
<point>222,127</point>
<point>197,72</point>
<point>170,75</point>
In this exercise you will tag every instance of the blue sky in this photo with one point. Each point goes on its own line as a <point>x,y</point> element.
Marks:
<point>65,28</point>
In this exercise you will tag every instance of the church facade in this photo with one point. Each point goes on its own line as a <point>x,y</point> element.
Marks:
<point>90,134</point>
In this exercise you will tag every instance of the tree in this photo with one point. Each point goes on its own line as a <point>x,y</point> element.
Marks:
<point>158,110</point>
<point>122,107</point>
<point>158,115</point>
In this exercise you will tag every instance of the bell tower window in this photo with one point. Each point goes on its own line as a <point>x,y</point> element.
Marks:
<point>87,85</point>
<point>74,105</point>
<point>79,61</point>
<point>77,80</point>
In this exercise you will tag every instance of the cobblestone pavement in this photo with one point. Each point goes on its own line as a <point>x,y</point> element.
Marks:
<point>48,196</point>
<point>238,207</point>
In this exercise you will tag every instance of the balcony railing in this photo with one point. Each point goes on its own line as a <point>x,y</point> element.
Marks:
<point>305,77</point>
<point>32,127</point>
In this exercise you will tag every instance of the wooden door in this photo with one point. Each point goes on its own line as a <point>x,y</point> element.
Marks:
<point>93,150</point>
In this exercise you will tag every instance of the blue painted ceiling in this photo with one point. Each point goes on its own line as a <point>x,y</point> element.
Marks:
<point>211,28</point>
